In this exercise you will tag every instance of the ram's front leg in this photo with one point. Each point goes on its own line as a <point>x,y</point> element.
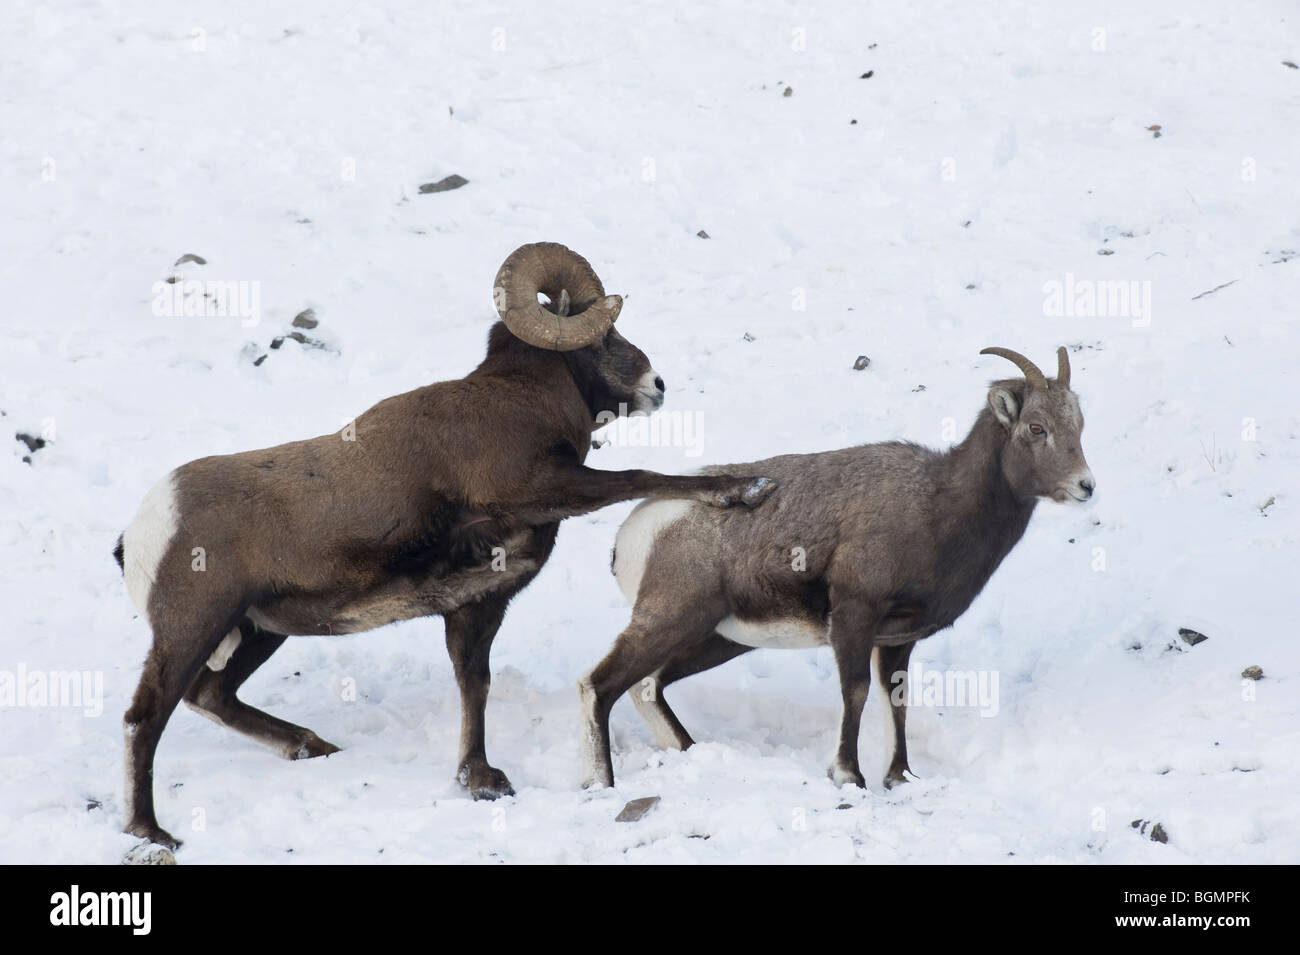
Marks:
<point>571,491</point>
<point>853,623</point>
<point>470,631</point>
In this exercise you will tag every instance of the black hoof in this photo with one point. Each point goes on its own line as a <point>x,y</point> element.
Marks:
<point>895,778</point>
<point>312,746</point>
<point>759,491</point>
<point>484,782</point>
<point>152,832</point>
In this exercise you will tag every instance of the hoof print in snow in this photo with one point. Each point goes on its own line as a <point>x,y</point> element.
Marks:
<point>861,362</point>
<point>1152,830</point>
<point>702,234</point>
<point>637,808</point>
<point>919,388</point>
<point>444,185</point>
<point>190,257</point>
<point>1191,637</point>
<point>1105,251</point>
<point>749,337</point>
<point>1253,673</point>
<point>149,853</point>
<point>306,319</point>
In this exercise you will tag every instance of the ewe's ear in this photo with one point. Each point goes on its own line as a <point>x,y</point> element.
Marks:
<point>1005,407</point>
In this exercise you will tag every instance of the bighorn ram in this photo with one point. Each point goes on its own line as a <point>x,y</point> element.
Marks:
<point>446,500</point>
<point>867,549</point>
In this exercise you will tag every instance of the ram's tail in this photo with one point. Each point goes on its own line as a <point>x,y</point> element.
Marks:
<point>118,553</point>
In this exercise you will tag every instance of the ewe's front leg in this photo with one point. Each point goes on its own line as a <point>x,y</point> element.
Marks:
<point>470,631</point>
<point>853,622</point>
<point>891,670</point>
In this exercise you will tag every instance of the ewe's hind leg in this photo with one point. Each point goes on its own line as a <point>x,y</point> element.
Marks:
<point>659,629</point>
<point>212,694</point>
<point>891,661</point>
<point>178,652</point>
<point>648,693</point>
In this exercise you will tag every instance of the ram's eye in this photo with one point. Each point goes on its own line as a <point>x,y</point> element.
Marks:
<point>1036,429</point>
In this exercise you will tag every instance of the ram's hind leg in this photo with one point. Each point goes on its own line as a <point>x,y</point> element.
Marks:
<point>212,694</point>
<point>648,694</point>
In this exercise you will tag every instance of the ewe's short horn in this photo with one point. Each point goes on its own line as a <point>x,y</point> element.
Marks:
<point>1031,372</point>
<point>551,269</point>
<point>1062,367</point>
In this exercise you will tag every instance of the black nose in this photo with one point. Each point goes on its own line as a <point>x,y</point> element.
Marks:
<point>659,383</point>
<point>1087,485</point>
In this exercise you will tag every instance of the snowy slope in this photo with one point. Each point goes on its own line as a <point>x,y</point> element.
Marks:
<point>997,148</point>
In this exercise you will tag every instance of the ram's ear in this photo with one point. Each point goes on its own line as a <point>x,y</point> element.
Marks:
<point>1005,406</point>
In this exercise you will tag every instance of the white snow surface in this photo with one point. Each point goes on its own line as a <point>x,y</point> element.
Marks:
<point>998,147</point>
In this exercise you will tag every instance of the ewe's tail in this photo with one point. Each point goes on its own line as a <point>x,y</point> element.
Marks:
<point>118,552</point>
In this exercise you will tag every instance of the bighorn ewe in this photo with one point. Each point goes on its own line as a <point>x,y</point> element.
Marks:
<point>446,502</point>
<point>867,549</point>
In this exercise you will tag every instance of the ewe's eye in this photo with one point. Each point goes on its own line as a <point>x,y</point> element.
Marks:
<point>1036,429</point>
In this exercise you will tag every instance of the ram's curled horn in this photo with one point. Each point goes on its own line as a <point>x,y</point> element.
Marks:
<point>1035,377</point>
<point>1063,367</point>
<point>559,273</point>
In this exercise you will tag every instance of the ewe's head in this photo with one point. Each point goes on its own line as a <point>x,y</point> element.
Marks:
<point>1043,456</point>
<point>578,320</point>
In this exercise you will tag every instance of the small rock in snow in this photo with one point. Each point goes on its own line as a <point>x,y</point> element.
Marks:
<point>306,319</point>
<point>702,234</point>
<point>1156,832</point>
<point>862,362</point>
<point>1191,637</point>
<point>33,443</point>
<point>637,808</point>
<point>1253,673</point>
<point>749,337</point>
<point>789,91</point>
<point>867,75</point>
<point>444,185</point>
<point>190,257</point>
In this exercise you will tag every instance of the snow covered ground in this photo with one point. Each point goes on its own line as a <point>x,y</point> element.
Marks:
<point>997,148</point>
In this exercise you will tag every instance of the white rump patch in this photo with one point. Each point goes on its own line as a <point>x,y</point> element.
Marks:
<point>147,538</point>
<point>636,539</point>
<point>225,650</point>
<point>791,634</point>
